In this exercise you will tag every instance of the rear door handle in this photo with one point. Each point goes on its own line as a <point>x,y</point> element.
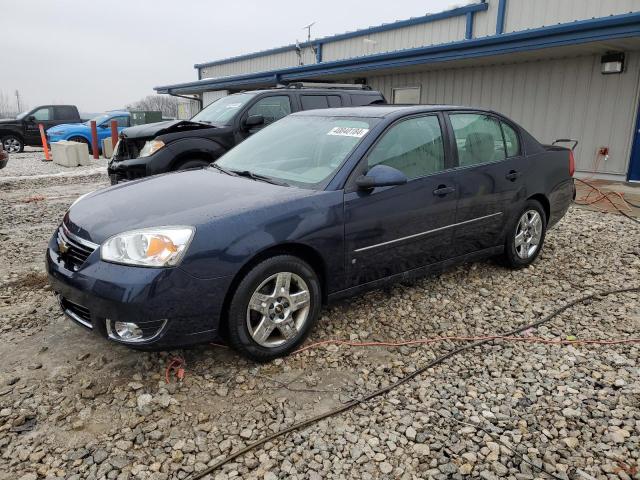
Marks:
<point>443,190</point>
<point>512,175</point>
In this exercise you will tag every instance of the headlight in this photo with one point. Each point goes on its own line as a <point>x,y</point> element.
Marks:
<point>151,147</point>
<point>148,247</point>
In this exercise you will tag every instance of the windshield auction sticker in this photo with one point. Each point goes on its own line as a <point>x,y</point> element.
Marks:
<point>348,132</point>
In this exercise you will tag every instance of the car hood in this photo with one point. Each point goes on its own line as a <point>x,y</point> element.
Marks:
<point>65,126</point>
<point>191,198</point>
<point>152,130</point>
<point>7,121</point>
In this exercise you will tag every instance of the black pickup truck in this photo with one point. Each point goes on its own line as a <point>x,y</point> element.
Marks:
<point>23,130</point>
<point>183,144</point>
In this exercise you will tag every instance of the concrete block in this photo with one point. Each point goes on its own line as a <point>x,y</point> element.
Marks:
<point>63,153</point>
<point>82,153</point>
<point>107,148</point>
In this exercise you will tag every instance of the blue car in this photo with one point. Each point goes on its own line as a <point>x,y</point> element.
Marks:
<point>318,206</point>
<point>81,132</point>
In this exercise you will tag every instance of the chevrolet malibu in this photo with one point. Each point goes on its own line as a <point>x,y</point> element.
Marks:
<point>318,206</point>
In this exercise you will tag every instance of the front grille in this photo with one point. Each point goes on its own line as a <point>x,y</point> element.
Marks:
<point>76,312</point>
<point>72,251</point>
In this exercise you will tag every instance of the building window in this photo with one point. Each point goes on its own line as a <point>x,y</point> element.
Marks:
<point>414,146</point>
<point>478,138</point>
<point>406,95</point>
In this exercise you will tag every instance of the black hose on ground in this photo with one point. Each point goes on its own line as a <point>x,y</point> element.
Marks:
<point>402,381</point>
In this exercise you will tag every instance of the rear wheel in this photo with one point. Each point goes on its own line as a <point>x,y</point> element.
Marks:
<point>274,308</point>
<point>526,238</point>
<point>189,164</point>
<point>12,143</point>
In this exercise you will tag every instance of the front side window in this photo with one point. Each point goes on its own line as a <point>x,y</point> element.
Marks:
<point>122,121</point>
<point>414,146</point>
<point>304,151</point>
<point>512,144</point>
<point>271,108</point>
<point>223,110</point>
<point>478,138</point>
<point>42,113</point>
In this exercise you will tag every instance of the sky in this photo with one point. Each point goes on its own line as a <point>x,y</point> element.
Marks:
<point>102,55</point>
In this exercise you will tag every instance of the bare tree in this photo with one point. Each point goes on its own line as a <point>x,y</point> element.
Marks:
<point>163,103</point>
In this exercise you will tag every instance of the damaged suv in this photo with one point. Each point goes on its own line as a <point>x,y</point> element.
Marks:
<point>184,144</point>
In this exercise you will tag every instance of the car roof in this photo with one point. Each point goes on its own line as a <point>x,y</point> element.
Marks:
<point>380,111</point>
<point>351,91</point>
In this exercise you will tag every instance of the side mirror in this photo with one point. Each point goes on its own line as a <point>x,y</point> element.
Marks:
<point>381,176</point>
<point>103,125</point>
<point>31,118</point>
<point>254,121</point>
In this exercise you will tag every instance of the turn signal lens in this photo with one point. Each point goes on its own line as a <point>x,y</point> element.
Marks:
<point>572,163</point>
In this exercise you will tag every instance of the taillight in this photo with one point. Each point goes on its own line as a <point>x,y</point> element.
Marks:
<point>572,163</point>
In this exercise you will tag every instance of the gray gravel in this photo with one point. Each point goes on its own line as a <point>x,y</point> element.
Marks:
<point>73,406</point>
<point>31,162</point>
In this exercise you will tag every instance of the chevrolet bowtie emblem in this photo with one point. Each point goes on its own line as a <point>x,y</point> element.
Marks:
<point>63,247</point>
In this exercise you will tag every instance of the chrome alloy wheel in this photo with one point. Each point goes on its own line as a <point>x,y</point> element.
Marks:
<point>12,145</point>
<point>278,309</point>
<point>528,234</point>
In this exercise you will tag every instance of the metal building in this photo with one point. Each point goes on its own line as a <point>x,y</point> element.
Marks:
<point>561,68</point>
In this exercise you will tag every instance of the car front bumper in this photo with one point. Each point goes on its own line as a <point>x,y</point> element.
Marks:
<point>132,169</point>
<point>172,307</point>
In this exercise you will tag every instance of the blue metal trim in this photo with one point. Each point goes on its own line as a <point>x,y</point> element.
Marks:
<point>634,161</point>
<point>619,26</point>
<point>502,12</point>
<point>318,52</point>
<point>456,12</point>
<point>469,32</point>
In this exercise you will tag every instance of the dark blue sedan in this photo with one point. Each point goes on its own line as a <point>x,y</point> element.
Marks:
<point>318,206</point>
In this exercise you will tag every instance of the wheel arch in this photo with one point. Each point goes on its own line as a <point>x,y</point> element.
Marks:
<point>187,149</point>
<point>4,133</point>
<point>300,250</point>
<point>546,205</point>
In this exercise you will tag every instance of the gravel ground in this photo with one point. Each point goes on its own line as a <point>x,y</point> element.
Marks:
<point>76,407</point>
<point>31,162</point>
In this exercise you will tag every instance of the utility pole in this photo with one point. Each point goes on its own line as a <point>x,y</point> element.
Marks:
<point>18,101</point>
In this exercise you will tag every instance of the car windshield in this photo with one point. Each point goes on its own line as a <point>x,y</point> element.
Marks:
<point>222,111</point>
<point>99,119</point>
<point>305,151</point>
<point>20,116</point>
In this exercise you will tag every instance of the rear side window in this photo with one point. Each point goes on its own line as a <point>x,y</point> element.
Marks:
<point>313,102</point>
<point>414,146</point>
<point>64,112</point>
<point>512,144</point>
<point>478,139</point>
<point>271,108</point>
<point>334,101</point>
<point>362,100</point>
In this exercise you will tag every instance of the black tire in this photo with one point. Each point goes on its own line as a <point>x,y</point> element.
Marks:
<point>240,318</point>
<point>514,250</point>
<point>12,143</point>
<point>79,139</point>
<point>189,164</point>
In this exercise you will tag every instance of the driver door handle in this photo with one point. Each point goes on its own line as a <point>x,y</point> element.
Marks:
<point>512,175</point>
<point>443,190</point>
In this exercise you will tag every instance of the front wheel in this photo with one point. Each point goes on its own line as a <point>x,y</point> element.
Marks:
<point>274,308</point>
<point>526,238</point>
<point>13,144</point>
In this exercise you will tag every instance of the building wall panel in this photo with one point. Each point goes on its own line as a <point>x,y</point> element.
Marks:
<point>484,23</point>
<point>526,14</point>
<point>259,64</point>
<point>561,98</point>
<point>433,33</point>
